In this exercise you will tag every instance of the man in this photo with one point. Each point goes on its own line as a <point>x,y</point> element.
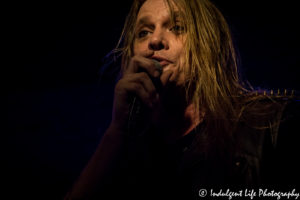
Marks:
<point>200,127</point>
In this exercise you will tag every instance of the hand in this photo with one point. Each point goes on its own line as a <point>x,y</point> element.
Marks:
<point>134,83</point>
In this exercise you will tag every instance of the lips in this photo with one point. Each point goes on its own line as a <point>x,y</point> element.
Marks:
<point>162,61</point>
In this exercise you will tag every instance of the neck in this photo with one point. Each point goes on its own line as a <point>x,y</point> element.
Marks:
<point>193,116</point>
<point>177,123</point>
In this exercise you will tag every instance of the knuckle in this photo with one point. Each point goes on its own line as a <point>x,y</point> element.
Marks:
<point>134,59</point>
<point>119,84</point>
<point>137,87</point>
<point>143,75</point>
<point>146,98</point>
<point>152,92</point>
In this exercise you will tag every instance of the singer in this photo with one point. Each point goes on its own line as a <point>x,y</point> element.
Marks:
<point>201,126</point>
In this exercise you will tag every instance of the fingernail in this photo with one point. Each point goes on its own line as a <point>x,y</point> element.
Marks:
<point>157,97</point>
<point>157,65</point>
<point>156,74</point>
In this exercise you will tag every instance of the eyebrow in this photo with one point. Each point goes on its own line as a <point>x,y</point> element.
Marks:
<point>143,20</point>
<point>146,19</point>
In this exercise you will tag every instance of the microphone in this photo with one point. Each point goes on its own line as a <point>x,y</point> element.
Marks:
<point>136,126</point>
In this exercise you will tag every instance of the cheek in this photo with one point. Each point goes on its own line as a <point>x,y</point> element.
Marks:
<point>179,50</point>
<point>135,49</point>
<point>139,49</point>
<point>179,55</point>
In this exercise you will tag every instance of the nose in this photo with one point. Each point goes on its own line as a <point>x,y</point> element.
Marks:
<point>158,41</point>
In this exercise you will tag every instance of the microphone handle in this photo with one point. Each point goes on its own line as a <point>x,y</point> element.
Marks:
<point>136,126</point>
<point>134,119</point>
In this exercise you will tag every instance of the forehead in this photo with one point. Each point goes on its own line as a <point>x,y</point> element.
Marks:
<point>155,8</point>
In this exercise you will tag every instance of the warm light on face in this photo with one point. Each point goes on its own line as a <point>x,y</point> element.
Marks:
<point>156,35</point>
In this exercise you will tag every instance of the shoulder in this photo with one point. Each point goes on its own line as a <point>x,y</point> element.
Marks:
<point>273,115</point>
<point>266,138</point>
<point>273,136</point>
<point>287,148</point>
<point>265,111</point>
<point>288,130</point>
<point>291,112</point>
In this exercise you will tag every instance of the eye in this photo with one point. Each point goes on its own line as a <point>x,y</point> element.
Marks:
<point>143,33</point>
<point>177,29</point>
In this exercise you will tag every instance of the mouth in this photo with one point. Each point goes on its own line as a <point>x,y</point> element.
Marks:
<point>162,61</point>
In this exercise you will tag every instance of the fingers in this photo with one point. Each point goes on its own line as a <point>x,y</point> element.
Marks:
<point>142,64</point>
<point>141,78</point>
<point>136,81</point>
<point>140,85</point>
<point>165,77</point>
<point>172,74</point>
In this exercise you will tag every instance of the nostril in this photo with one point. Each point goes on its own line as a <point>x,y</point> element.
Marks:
<point>156,45</point>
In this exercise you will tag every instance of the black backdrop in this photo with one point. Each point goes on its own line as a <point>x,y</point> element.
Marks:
<point>54,109</point>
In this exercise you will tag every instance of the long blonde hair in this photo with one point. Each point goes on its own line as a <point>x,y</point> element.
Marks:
<point>213,81</point>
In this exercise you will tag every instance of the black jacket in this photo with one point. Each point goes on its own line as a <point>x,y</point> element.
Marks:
<point>265,158</point>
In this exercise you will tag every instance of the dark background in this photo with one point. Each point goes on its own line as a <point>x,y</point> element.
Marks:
<point>54,108</point>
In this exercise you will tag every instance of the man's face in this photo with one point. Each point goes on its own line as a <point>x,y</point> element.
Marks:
<point>158,38</point>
